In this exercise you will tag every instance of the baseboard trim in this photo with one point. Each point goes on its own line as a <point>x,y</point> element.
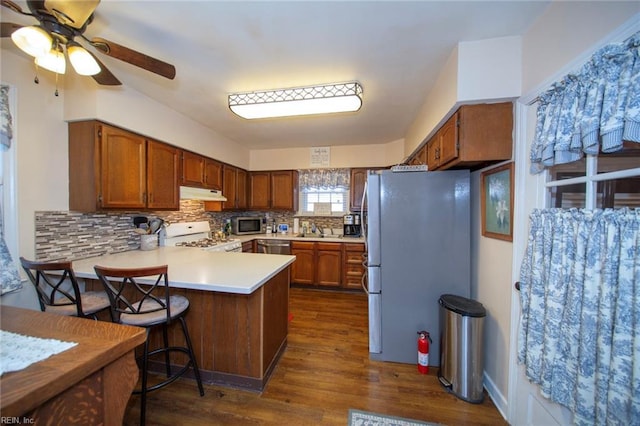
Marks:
<point>496,396</point>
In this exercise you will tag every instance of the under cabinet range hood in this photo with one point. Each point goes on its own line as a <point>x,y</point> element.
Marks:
<point>189,193</point>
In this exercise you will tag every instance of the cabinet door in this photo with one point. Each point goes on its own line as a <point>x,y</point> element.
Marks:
<point>284,190</point>
<point>247,247</point>
<point>212,174</point>
<point>449,140</point>
<point>358,179</point>
<point>192,169</point>
<point>241,189</point>
<point>123,169</point>
<point>433,152</point>
<point>259,190</point>
<point>229,187</point>
<point>162,176</point>
<point>353,270</point>
<point>329,264</point>
<point>303,269</point>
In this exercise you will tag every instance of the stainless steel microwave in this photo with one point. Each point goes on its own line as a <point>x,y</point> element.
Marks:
<point>246,225</point>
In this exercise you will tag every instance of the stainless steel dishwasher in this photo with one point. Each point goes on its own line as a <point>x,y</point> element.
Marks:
<point>274,247</point>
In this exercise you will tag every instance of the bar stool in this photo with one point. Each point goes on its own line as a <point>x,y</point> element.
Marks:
<point>58,290</point>
<point>140,297</point>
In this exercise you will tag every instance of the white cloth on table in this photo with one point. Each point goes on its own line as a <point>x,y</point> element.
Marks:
<point>18,352</point>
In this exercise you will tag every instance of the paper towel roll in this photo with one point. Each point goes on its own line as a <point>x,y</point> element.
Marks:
<point>296,225</point>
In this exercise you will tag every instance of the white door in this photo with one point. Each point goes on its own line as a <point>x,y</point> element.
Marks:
<point>526,405</point>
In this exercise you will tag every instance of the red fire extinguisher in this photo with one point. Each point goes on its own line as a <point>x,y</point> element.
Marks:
<point>423,351</point>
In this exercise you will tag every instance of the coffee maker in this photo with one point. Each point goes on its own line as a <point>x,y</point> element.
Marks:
<point>352,225</point>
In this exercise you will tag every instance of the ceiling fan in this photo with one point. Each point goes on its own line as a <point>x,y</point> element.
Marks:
<point>61,22</point>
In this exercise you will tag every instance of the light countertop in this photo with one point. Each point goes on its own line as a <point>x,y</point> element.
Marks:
<point>197,269</point>
<point>292,237</point>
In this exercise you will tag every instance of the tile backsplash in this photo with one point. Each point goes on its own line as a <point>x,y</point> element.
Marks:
<point>65,235</point>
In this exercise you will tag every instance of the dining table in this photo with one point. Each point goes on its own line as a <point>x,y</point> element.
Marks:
<point>89,383</point>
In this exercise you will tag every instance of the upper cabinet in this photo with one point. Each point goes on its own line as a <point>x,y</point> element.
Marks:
<point>475,136</point>
<point>212,174</point>
<point>163,165</point>
<point>277,190</point>
<point>111,168</point>
<point>358,179</point>
<point>234,188</point>
<point>420,157</point>
<point>200,171</point>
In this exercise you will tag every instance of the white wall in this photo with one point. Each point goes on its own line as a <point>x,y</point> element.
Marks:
<point>41,152</point>
<point>478,71</point>
<point>133,111</point>
<point>340,156</point>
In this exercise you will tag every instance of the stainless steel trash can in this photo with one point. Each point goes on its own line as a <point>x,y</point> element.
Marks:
<point>461,359</point>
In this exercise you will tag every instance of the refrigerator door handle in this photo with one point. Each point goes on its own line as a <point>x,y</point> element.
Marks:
<point>364,222</point>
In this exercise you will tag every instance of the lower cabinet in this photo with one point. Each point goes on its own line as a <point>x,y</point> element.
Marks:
<point>353,270</point>
<point>303,269</point>
<point>247,247</point>
<point>327,264</point>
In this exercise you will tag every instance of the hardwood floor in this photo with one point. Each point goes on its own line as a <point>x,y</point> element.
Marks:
<point>324,372</point>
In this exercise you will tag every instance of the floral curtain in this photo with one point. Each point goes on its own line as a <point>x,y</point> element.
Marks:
<point>6,124</point>
<point>9,277</point>
<point>314,179</point>
<point>580,322</point>
<point>591,111</point>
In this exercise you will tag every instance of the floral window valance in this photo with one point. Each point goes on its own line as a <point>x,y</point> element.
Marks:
<point>591,111</point>
<point>315,179</point>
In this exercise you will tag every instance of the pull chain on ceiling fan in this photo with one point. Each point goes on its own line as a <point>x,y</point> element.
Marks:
<point>60,22</point>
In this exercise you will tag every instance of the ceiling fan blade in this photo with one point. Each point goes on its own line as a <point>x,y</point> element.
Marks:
<point>7,28</point>
<point>104,77</point>
<point>133,57</point>
<point>16,8</point>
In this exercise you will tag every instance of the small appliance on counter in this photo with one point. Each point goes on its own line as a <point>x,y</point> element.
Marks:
<point>351,225</point>
<point>246,225</point>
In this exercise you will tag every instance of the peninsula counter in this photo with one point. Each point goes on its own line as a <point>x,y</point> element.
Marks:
<point>238,307</point>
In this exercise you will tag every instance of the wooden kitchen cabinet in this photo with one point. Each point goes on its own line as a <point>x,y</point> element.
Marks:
<point>192,169</point>
<point>475,136</point>
<point>329,264</point>
<point>248,247</point>
<point>352,269</point>
<point>420,157</point>
<point>275,190</point>
<point>108,169</point>
<point>212,174</point>
<point>200,171</point>
<point>234,187</point>
<point>358,180</point>
<point>259,190</point>
<point>317,263</point>
<point>163,166</point>
<point>303,269</point>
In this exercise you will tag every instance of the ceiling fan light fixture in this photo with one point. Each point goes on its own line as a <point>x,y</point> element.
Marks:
<point>319,99</point>
<point>32,40</point>
<point>81,60</point>
<point>53,61</point>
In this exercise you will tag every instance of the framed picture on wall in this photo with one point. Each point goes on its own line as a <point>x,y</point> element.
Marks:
<point>496,189</point>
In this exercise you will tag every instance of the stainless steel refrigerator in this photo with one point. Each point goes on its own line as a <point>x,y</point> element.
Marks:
<point>418,248</point>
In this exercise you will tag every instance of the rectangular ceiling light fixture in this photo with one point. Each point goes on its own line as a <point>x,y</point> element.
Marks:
<point>320,99</point>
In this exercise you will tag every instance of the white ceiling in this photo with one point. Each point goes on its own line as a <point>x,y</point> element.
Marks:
<point>394,49</point>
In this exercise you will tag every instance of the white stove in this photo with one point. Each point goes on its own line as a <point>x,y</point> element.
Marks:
<point>196,234</point>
